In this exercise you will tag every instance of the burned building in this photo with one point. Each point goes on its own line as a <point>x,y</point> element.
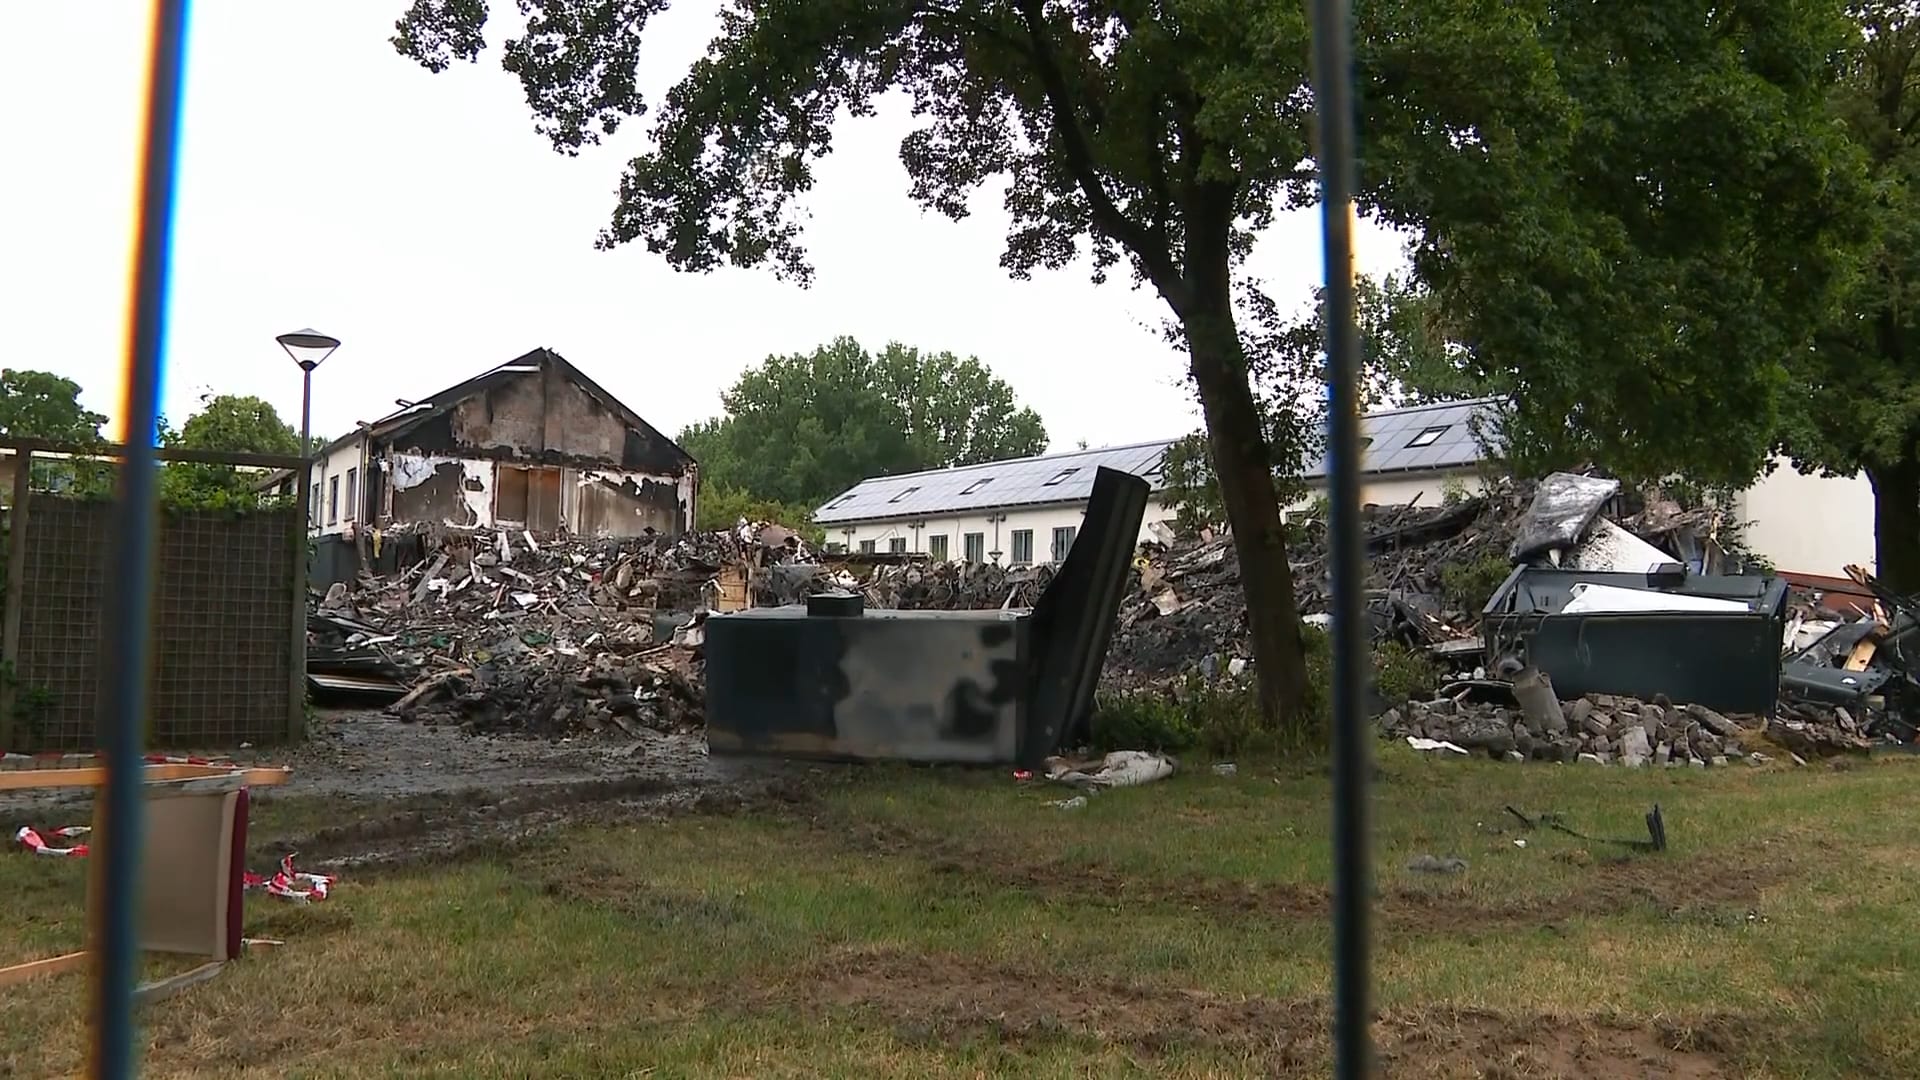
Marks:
<point>532,444</point>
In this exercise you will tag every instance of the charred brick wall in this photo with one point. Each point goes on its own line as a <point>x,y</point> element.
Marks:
<point>222,609</point>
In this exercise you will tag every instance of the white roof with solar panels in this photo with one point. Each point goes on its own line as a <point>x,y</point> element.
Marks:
<point>1420,438</point>
<point>1052,478</point>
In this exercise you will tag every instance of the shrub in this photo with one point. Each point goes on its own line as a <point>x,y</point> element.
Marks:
<point>1142,720</point>
<point>1468,586</point>
<point>1401,674</point>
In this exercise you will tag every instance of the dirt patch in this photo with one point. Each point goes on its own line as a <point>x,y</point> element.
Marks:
<point>1707,887</point>
<point>462,825</point>
<point>946,998</point>
<point>397,793</point>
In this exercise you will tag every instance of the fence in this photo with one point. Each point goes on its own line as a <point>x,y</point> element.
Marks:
<point>226,666</point>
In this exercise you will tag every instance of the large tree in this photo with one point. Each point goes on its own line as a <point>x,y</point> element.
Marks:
<point>1637,220</point>
<point>1603,162</point>
<point>223,422</point>
<point>1857,390</point>
<point>41,405</point>
<point>799,429</point>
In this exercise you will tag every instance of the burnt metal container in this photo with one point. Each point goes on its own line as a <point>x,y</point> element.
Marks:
<point>830,679</point>
<point>1724,660</point>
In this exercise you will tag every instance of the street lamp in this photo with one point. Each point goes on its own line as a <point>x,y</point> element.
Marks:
<point>307,348</point>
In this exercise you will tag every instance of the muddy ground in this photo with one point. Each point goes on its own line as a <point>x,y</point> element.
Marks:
<point>369,790</point>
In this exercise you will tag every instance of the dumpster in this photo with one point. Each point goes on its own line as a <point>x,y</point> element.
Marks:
<point>832,679</point>
<point>1710,640</point>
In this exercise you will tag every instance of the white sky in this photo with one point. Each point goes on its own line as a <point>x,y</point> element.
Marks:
<point>328,182</point>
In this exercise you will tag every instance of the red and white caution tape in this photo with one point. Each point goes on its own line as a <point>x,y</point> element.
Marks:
<point>285,883</point>
<point>291,884</point>
<point>37,844</point>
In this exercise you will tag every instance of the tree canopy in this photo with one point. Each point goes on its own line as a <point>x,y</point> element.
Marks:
<point>1856,388</point>
<point>41,405</point>
<point>223,422</point>
<point>799,429</point>
<point>1614,198</point>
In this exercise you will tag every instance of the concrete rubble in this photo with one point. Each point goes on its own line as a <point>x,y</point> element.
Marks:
<point>1610,730</point>
<point>504,631</point>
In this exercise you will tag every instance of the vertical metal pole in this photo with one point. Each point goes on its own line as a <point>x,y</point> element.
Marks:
<point>303,515</point>
<point>129,609</point>
<point>1333,109</point>
<point>16,590</point>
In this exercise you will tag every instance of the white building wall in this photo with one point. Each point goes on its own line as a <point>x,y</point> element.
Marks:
<point>325,518</point>
<point>996,529</point>
<point>1809,524</point>
<point>1398,490</point>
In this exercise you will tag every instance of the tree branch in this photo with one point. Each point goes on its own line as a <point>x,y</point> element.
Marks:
<point>1154,258</point>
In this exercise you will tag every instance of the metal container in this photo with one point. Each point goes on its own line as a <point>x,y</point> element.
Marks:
<point>1728,660</point>
<point>832,679</point>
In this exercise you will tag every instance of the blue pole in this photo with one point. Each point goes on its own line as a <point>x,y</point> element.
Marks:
<point>128,615</point>
<point>1333,108</point>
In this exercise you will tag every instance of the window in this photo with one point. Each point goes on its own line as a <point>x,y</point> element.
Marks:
<point>528,498</point>
<point>1022,547</point>
<point>1428,436</point>
<point>313,504</point>
<point>903,494</point>
<point>834,547</point>
<point>353,492</point>
<point>333,499</point>
<point>974,547</point>
<point>897,545</point>
<point>937,547</point>
<point>976,485</point>
<point>1060,477</point>
<point>1063,542</point>
<point>866,547</point>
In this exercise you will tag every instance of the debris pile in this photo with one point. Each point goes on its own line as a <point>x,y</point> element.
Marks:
<point>504,631</point>
<point>1607,730</point>
<point>1426,567</point>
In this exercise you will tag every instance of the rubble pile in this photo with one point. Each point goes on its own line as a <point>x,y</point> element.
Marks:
<point>1607,730</point>
<point>1188,604</point>
<point>503,631</point>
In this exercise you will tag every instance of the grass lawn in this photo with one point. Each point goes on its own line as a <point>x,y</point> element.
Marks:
<point>915,922</point>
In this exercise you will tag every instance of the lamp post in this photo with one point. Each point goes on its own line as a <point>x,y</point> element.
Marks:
<point>308,348</point>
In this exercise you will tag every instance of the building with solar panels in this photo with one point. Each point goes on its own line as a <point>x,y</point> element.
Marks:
<point>1419,452</point>
<point>1015,513</point>
<point>1028,510</point>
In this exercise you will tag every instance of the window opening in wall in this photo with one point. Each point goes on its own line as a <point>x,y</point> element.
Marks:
<point>1063,542</point>
<point>976,485</point>
<point>1427,436</point>
<point>1022,547</point>
<point>313,504</point>
<point>937,548</point>
<point>975,545</point>
<point>333,499</point>
<point>529,498</point>
<point>897,545</point>
<point>1060,476</point>
<point>866,547</point>
<point>353,492</point>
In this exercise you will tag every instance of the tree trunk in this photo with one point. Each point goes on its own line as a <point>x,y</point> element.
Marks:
<point>1243,465</point>
<point>1896,523</point>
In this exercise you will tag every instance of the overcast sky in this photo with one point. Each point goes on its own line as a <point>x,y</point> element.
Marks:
<point>329,183</point>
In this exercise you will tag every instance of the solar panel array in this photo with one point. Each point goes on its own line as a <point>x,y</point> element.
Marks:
<point>1020,482</point>
<point>1416,439</point>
